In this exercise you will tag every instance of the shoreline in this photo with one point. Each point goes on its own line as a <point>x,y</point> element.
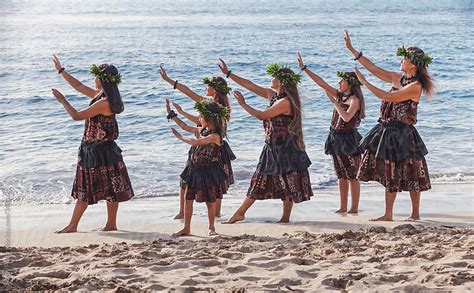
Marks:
<point>151,218</point>
<point>318,251</point>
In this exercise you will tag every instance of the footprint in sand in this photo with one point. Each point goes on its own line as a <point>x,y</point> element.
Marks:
<point>237,269</point>
<point>250,278</point>
<point>51,274</point>
<point>232,255</point>
<point>206,262</point>
<point>175,266</point>
<point>123,271</point>
<point>155,287</point>
<point>278,283</point>
<point>306,275</point>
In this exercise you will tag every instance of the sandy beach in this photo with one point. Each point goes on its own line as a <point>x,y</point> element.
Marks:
<point>322,252</point>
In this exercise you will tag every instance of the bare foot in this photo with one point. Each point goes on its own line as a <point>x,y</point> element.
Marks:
<point>67,229</point>
<point>234,219</point>
<point>412,218</point>
<point>212,232</point>
<point>353,212</point>
<point>183,232</point>
<point>383,218</point>
<point>340,211</point>
<point>179,216</point>
<point>106,229</point>
<point>284,220</point>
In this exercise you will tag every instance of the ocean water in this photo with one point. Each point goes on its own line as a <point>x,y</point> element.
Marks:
<point>39,141</point>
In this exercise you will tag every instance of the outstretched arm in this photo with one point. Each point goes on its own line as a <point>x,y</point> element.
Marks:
<point>100,107</point>
<point>318,80</point>
<point>213,138</point>
<point>345,115</point>
<point>385,75</point>
<point>280,107</point>
<point>74,83</point>
<point>261,91</point>
<point>192,118</point>
<point>179,122</point>
<point>410,92</point>
<point>181,87</point>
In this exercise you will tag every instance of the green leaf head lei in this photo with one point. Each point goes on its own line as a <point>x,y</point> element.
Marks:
<point>285,78</point>
<point>205,108</point>
<point>104,75</point>
<point>353,81</point>
<point>218,85</point>
<point>417,58</point>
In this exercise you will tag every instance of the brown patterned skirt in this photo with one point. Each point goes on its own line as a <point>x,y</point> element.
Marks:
<point>346,167</point>
<point>109,182</point>
<point>394,156</point>
<point>295,186</point>
<point>409,174</point>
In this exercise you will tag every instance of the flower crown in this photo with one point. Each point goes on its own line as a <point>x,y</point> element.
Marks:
<point>353,81</point>
<point>275,70</point>
<point>417,59</point>
<point>218,85</point>
<point>222,116</point>
<point>105,76</point>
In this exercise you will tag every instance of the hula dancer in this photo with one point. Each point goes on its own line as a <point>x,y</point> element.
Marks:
<point>343,139</point>
<point>393,151</point>
<point>282,172</point>
<point>101,173</point>
<point>204,178</point>
<point>217,89</point>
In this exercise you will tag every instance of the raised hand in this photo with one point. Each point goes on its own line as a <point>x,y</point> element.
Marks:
<point>176,133</point>
<point>57,63</point>
<point>167,104</point>
<point>58,95</point>
<point>223,66</point>
<point>163,73</point>
<point>300,61</point>
<point>239,97</point>
<point>347,39</point>
<point>178,107</point>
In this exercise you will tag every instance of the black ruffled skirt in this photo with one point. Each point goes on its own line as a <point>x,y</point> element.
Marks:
<point>204,183</point>
<point>203,176</point>
<point>343,143</point>
<point>227,156</point>
<point>227,153</point>
<point>282,158</point>
<point>101,153</point>
<point>394,142</point>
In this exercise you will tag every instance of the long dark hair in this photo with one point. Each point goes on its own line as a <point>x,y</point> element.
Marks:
<point>422,74</point>
<point>111,90</point>
<point>296,126</point>
<point>357,91</point>
<point>221,125</point>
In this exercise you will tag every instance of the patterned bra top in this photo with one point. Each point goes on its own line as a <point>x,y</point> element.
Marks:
<point>100,127</point>
<point>340,125</point>
<point>404,112</point>
<point>206,154</point>
<point>277,129</point>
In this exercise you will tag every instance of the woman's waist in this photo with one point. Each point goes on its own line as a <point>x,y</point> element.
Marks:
<point>92,142</point>
<point>347,129</point>
<point>205,161</point>
<point>393,122</point>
